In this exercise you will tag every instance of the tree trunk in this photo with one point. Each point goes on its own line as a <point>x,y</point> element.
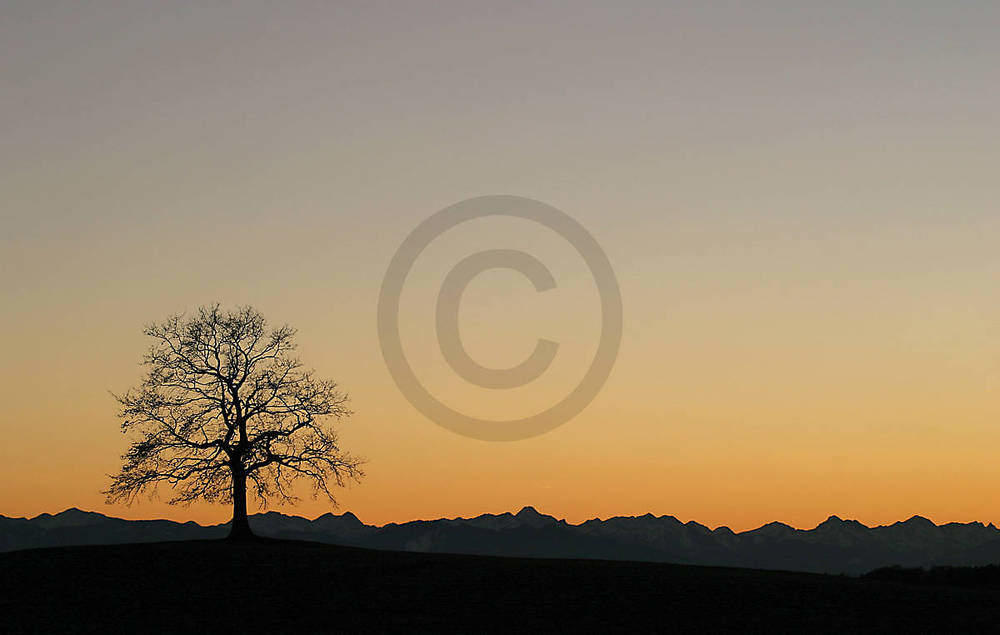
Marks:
<point>240,529</point>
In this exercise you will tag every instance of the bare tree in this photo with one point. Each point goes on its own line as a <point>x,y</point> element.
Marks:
<point>224,402</point>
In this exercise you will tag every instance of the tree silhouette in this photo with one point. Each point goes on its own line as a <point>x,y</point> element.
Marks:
<point>224,402</point>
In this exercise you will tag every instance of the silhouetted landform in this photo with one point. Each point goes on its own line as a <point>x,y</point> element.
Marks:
<point>300,587</point>
<point>973,577</point>
<point>835,546</point>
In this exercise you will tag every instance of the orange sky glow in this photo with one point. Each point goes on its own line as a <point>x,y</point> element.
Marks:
<point>800,206</point>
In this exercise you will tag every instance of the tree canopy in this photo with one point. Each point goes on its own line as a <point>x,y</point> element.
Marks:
<point>225,402</point>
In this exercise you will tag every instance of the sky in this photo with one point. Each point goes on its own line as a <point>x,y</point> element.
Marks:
<point>799,201</point>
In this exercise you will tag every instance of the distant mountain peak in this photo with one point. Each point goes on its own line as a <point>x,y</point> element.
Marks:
<point>777,524</point>
<point>837,521</point>
<point>773,528</point>
<point>919,521</point>
<point>72,517</point>
<point>73,512</point>
<point>531,517</point>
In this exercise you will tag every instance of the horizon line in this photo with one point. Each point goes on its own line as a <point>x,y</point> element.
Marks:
<point>525,508</point>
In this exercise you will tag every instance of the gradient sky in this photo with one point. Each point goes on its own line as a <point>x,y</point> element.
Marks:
<point>799,200</point>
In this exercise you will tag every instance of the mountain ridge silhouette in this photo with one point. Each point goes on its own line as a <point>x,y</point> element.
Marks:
<point>835,545</point>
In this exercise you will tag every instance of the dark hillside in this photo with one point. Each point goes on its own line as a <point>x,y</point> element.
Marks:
<point>285,586</point>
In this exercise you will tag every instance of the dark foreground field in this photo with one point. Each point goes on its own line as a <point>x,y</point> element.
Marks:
<point>278,586</point>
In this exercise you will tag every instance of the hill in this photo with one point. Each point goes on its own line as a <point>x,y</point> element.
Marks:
<point>301,587</point>
<point>835,546</point>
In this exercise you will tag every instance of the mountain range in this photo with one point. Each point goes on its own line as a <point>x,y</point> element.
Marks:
<point>835,546</point>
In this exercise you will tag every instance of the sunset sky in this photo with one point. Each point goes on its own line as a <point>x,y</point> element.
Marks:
<point>799,199</point>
